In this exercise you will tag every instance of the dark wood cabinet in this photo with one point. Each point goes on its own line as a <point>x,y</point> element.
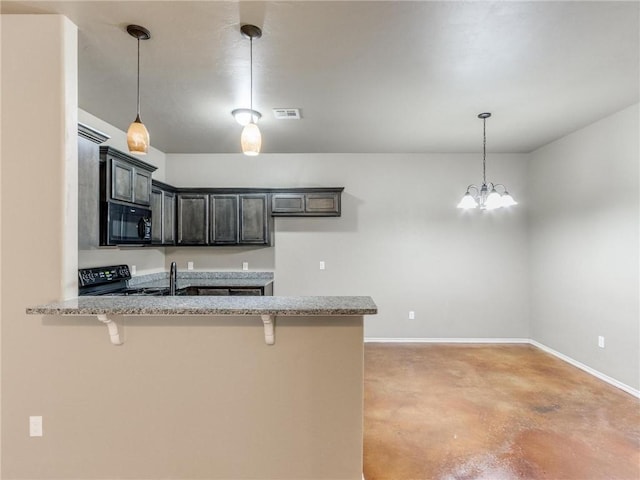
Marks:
<point>224,220</point>
<point>126,178</point>
<point>156,216</point>
<point>89,140</point>
<point>308,202</point>
<point>163,209</point>
<point>231,219</point>
<point>231,291</point>
<point>193,219</point>
<point>168,218</point>
<point>254,220</point>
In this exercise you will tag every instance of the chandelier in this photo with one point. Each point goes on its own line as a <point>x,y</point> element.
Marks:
<point>488,196</point>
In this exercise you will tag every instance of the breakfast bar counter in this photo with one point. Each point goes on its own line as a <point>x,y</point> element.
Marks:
<point>274,379</point>
<point>206,305</point>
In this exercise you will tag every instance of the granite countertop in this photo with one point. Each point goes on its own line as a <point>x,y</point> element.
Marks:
<point>210,305</point>
<point>204,279</point>
<point>207,282</point>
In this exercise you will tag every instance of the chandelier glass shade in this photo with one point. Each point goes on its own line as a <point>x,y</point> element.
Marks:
<point>487,196</point>
<point>138,135</point>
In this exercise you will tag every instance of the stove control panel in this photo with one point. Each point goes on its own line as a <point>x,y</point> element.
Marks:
<point>100,275</point>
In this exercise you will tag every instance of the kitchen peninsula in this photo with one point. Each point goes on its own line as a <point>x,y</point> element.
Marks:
<point>292,405</point>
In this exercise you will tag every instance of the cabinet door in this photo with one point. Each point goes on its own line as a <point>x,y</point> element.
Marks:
<point>121,181</point>
<point>254,225</point>
<point>193,219</point>
<point>156,216</point>
<point>168,218</point>
<point>287,203</point>
<point>322,203</point>
<point>141,187</point>
<point>224,220</point>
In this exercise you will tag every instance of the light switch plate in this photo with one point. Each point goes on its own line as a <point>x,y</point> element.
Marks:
<point>412,315</point>
<point>189,265</point>
<point>245,266</point>
<point>35,426</point>
<point>322,266</point>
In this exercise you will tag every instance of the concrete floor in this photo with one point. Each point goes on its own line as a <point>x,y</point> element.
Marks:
<point>493,412</point>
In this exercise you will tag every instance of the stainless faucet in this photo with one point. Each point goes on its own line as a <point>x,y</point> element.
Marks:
<point>173,278</point>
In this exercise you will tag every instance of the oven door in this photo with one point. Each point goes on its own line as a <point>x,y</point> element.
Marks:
<point>125,225</point>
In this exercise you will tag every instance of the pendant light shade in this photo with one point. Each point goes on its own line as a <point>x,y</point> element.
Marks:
<point>486,196</point>
<point>251,138</point>
<point>138,135</point>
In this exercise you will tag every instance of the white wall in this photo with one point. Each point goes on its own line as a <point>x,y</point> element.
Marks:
<point>146,260</point>
<point>400,238</point>
<point>584,245</point>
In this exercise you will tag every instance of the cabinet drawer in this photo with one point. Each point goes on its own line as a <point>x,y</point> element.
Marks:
<point>219,292</point>
<point>223,292</point>
<point>255,292</point>
<point>287,203</point>
<point>325,203</point>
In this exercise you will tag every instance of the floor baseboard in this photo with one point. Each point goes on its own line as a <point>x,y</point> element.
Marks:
<point>588,369</point>
<point>605,378</point>
<point>445,340</point>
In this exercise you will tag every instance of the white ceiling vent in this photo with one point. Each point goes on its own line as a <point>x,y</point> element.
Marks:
<point>287,113</point>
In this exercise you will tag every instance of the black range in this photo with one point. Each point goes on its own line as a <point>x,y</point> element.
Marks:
<point>112,280</point>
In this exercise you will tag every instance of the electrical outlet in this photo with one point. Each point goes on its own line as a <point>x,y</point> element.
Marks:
<point>35,426</point>
<point>322,265</point>
<point>245,266</point>
<point>133,269</point>
<point>601,341</point>
<point>412,315</point>
<point>189,265</point>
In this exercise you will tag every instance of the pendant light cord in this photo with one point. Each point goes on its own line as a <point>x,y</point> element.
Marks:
<point>251,76</point>
<point>484,151</point>
<point>138,112</point>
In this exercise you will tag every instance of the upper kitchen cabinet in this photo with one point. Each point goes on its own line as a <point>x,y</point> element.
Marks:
<point>221,217</point>
<point>163,209</point>
<point>127,179</point>
<point>224,224</point>
<point>255,223</point>
<point>307,202</point>
<point>241,219</point>
<point>193,219</point>
<point>89,140</point>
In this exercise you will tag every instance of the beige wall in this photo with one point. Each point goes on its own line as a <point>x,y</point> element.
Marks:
<point>39,181</point>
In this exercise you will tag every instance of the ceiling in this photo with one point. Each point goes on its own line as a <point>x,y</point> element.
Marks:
<point>368,76</point>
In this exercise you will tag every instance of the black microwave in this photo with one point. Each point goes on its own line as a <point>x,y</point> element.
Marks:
<point>124,224</point>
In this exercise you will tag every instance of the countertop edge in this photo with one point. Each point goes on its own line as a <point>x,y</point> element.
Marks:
<point>214,306</point>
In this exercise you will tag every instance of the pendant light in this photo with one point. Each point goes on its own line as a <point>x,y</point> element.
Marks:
<point>487,196</point>
<point>251,139</point>
<point>137,135</point>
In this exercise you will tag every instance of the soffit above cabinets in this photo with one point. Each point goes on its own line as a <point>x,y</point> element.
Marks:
<point>369,77</point>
